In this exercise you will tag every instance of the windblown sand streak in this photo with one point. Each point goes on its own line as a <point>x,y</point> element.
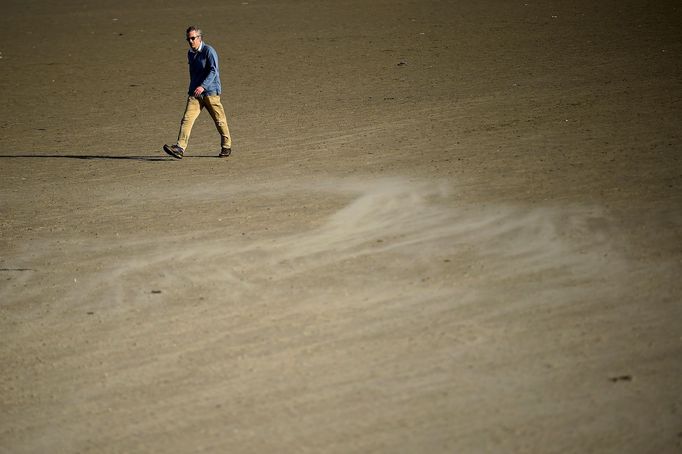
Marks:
<point>411,230</point>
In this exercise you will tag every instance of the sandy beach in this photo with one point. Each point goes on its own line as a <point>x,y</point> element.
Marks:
<point>445,227</point>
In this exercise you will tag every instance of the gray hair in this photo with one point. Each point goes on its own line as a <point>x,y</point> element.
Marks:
<point>192,28</point>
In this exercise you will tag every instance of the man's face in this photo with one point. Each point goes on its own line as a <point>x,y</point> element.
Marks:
<point>194,39</point>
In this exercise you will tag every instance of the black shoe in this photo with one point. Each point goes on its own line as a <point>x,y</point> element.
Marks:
<point>225,152</point>
<point>174,150</point>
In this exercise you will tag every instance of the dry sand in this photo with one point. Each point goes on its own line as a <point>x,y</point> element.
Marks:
<point>446,227</point>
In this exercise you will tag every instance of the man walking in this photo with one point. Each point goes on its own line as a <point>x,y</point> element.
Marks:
<point>204,92</point>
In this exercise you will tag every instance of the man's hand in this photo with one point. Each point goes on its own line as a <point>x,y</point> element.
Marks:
<point>198,91</point>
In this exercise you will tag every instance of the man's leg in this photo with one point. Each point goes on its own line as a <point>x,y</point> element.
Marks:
<point>192,111</point>
<point>215,109</point>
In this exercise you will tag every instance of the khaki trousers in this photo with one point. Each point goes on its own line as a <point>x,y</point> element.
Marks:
<point>192,111</point>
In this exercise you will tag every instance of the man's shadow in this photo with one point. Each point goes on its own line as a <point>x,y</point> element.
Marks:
<point>87,157</point>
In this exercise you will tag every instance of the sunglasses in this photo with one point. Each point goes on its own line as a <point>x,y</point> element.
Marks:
<point>192,38</point>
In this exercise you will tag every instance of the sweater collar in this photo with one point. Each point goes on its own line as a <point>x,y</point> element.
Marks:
<point>201,46</point>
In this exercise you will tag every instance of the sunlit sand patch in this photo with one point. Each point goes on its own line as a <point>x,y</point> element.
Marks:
<point>395,239</point>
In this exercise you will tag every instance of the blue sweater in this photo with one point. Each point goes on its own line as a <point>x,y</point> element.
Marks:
<point>203,70</point>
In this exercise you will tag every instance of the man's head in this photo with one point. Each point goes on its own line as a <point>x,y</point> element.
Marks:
<point>194,37</point>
